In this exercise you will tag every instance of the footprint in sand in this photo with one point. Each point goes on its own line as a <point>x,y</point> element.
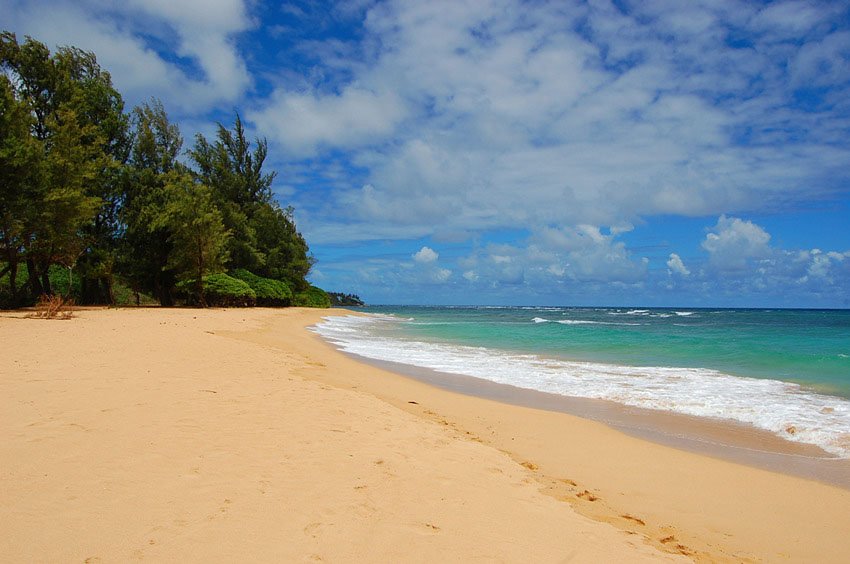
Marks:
<point>634,519</point>
<point>587,495</point>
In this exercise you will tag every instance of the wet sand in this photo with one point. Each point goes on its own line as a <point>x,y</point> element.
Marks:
<point>718,438</point>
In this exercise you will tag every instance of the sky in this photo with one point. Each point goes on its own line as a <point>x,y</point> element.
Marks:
<point>659,153</point>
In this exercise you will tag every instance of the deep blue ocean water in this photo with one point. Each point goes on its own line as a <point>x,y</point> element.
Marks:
<point>786,371</point>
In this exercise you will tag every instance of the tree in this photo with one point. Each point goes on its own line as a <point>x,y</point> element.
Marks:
<point>232,169</point>
<point>234,172</point>
<point>69,167</point>
<point>146,241</point>
<point>198,235</point>
<point>86,88</point>
<point>286,252</point>
<point>78,115</point>
<point>19,169</point>
<point>265,240</point>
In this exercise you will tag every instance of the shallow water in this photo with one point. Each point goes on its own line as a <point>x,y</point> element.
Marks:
<point>784,371</point>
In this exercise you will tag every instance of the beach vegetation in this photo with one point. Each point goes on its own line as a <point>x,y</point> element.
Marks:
<point>312,297</point>
<point>109,198</point>
<point>345,300</point>
<point>53,307</point>
<point>219,290</point>
<point>197,234</point>
<point>270,292</point>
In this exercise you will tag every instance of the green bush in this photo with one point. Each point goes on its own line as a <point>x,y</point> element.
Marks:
<point>58,276</point>
<point>269,292</point>
<point>59,282</point>
<point>125,295</point>
<point>312,297</point>
<point>219,290</point>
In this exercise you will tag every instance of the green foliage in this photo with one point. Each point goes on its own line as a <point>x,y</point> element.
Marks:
<point>60,276</point>
<point>232,168</point>
<point>351,300</point>
<point>124,295</point>
<point>76,119</point>
<point>146,245</point>
<point>64,283</point>
<point>19,170</point>
<point>157,142</point>
<point>198,236</point>
<point>265,240</point>
<point>269,292</point>
<point>285,250</point>
<point>312,297</point>
<point>100,197</point>
<point>219,290</point>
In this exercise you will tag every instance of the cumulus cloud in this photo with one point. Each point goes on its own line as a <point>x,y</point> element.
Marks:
<point>550,256</point>
<point>199,68</point>
<point>740,263</point>
<point>733,242</point>
<point>485,115</point>
<point>675,264</point>
<point>305,121</point>
<point>425,269</point>
<point>425,255</point>
<point>569,265</point>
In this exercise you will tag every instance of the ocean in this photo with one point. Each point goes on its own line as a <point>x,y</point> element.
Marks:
<point>782,371</point>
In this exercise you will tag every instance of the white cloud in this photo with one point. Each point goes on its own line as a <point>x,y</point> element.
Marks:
<point>425,255</point>
<point>675,264</point>
<point>741,264</point>
<point>425,269</point>
<point>583,254</point>
<point>303,122</point>
<point>734,242</point>
<point>485,115</point>
<point>120,34</point>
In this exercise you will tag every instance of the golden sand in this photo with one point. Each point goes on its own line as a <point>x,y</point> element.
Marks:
<point>237,435</point>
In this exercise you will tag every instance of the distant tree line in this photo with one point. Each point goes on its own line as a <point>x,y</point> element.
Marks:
<point>350,300</point>
<point>95,199</point>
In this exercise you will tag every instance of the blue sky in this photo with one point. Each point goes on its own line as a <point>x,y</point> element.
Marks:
<point>508,152</point>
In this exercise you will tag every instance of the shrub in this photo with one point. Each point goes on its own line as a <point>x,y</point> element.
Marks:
<point>219,290</point>
<point>270,292</point>
<point>58,283</point>
<point>127,296</point>
<point>53,307</point>
<point>312,297</point>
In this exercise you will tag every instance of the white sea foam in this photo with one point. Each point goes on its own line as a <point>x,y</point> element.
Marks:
<point>578,321</point>
<point>780,407</point>
<point>684,313</point>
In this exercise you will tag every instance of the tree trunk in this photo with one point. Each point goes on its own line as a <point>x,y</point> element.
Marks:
<point>108,290</point>
<point>163,293</point>
<point>201,279</point>
<point>45,278</point>
<point>13,276</point>
<point>70,282</point>
<point>35,284</point>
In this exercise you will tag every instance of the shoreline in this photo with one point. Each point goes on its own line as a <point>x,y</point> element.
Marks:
<point>219,435</point>
<point>738,512</point>
<point>719,438</point>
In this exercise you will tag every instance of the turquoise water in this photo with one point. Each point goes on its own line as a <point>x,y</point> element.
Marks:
<point>809,347</point>
<point>786,371</point>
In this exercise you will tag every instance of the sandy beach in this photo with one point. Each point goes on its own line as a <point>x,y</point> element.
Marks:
<point>238,435</point>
